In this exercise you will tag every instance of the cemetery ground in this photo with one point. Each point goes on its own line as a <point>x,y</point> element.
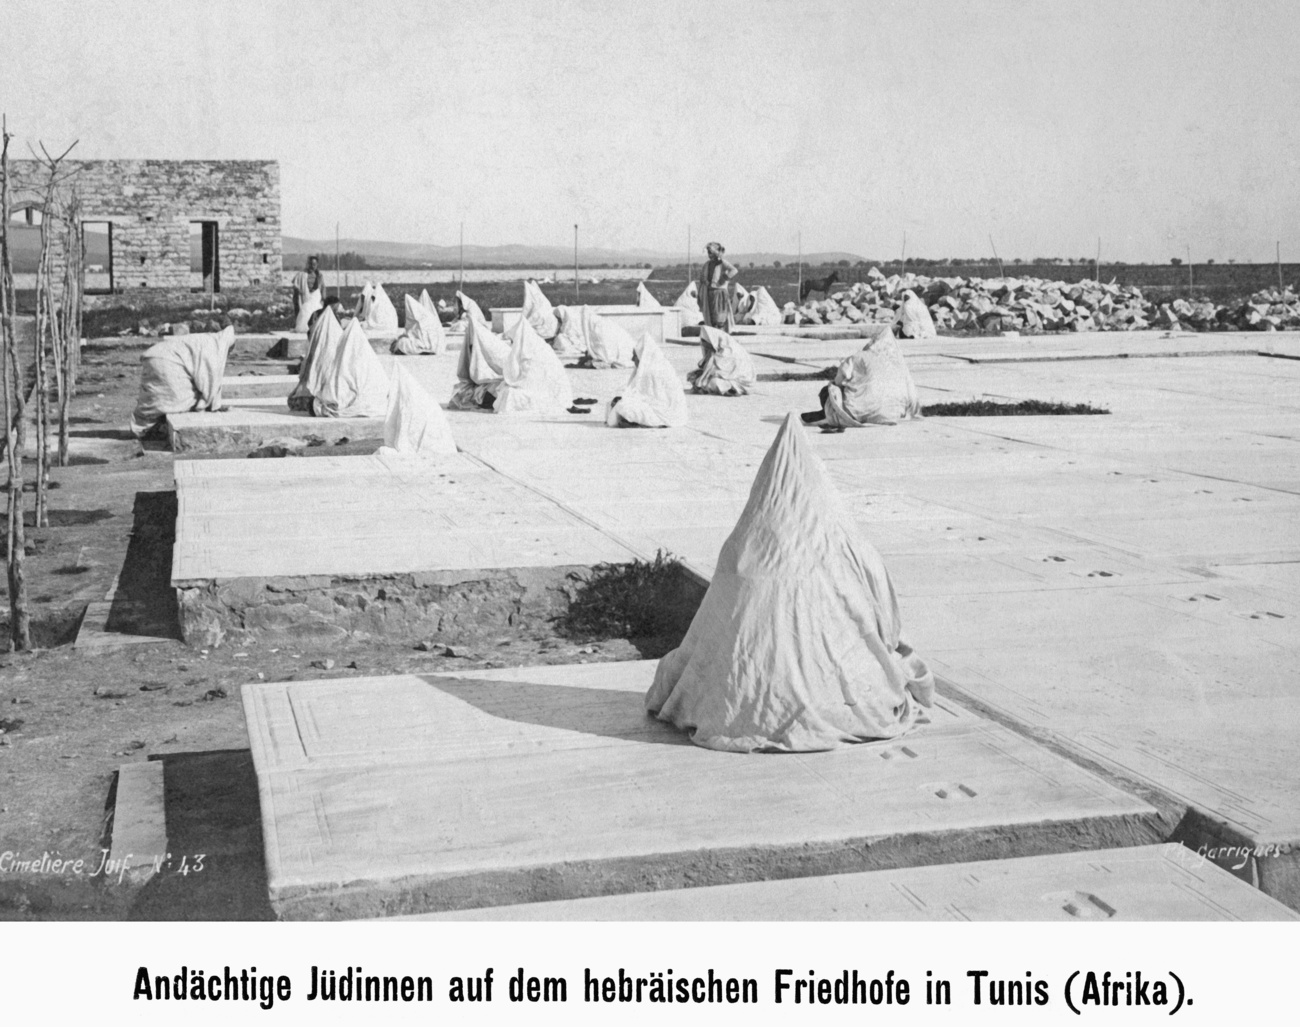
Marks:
<point>1043,566</point>
<point>72,716</point>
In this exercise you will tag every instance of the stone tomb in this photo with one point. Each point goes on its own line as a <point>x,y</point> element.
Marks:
<point>1142,883</point>
<point>405,794</point>
<point>387,546</point>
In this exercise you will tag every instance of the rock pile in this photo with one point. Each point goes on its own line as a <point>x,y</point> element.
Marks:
<point>992,305</point>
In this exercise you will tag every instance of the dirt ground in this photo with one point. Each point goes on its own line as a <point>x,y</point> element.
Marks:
<point>72,716</point>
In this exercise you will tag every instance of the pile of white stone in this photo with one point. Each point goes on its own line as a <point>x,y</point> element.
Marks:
<point>992,305</point>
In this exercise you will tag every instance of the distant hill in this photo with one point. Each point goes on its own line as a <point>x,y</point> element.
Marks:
<point>395,254</point>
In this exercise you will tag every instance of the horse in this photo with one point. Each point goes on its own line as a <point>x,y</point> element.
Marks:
<point>821,285</point>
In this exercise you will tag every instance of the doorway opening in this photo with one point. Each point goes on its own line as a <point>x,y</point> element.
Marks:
<point>97,255</point>
<point>205,261</point>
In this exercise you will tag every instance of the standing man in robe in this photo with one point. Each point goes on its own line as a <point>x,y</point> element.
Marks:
<point>308,293</point>
<point>715,288</point>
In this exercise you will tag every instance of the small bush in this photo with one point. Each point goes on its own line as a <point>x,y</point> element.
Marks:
<point>634,600</point>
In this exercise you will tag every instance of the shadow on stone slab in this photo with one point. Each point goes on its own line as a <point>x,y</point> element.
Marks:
<point>213,812</point>
<point>607,713</point>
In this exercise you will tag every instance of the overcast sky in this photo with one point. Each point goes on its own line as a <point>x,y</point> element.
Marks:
<point>1154,125</point>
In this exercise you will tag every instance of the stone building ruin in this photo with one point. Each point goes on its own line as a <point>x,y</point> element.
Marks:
<point>175,225</point>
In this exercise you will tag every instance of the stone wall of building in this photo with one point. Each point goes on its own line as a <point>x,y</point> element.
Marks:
<point>151,204</point>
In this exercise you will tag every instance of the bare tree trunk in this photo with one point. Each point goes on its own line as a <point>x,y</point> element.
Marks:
<point>20,634</point>
<point>42,393</point>
<point>48,330</point>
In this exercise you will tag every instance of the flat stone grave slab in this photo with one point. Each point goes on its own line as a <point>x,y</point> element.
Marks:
<point>242,429</point>
<point>387,546</point>
<point>241,386</point>
<point>1143,883</point>
<point>403,794</point>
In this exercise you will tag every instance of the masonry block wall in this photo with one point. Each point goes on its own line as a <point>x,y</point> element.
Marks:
<point>151,203</point>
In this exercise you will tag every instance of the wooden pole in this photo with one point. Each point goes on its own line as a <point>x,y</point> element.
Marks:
<point>20,636</point>
<point>575,264</point>
<point>1280,287</point>
<point>461,287</point>
<point>338,282</point>
<point>902,260</point>
<point>1190,282</point>
<point>800,244</point>
<point>1096,264</point>
<point>690,266</point>
<point>1001,272</point>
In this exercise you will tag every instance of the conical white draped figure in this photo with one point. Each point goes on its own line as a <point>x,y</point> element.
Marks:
<point>181,374</point>
<point>539,312</point>
<point>608,343</point>
<point>797,646</point>
<point>644,299</point>
<point>415,425</point>
<point>350,381</point>
<point>534,379</point>
<point>653,396</point>
<point>741,302</point>
<point>914,318</point>
<point>471,309</point>
<point>571,340</point>
<point>725,368</point>
<point>763,310</point>
<point>322,348</point>
<point>689,305</point>
<point>362,310</point>
<point>872,386</point>
<point>423,332</point>
<point>381,315</point>
<point>426,301</point>
<point>481,366</point>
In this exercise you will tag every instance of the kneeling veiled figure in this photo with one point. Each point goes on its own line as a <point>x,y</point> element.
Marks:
<point>797,646</point>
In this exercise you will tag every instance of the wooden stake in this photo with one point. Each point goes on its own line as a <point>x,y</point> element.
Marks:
<point>800,244</point>
<point>1280,286</point>
<point>1096,264</point>
<point>575,264</point>
<point>902,261</point>
<point>1001,272</point>
<point>1190,283</point>
<point>20,636</point>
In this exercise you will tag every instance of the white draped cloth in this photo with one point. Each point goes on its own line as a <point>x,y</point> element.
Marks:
<point>481,367</point>
<point>872,386</point>
<point>763,310</point>
<point>689,305</point>
<point>914,318</point>
<point>654,396</point>
<point>423,333</point>
<point>534,381</point>
<point>415,424</point>
<point>603,341</point>
<point>797,646</point>
<point>471,309</point>
<point>539,312</point>
<point>380,314</point>
<point>725,368</point>
<point>346,378</point>
<point>181,374</point>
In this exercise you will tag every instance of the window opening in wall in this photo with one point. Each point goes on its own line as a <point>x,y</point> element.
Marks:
<point>97,255</point>
<point>205,258</point>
